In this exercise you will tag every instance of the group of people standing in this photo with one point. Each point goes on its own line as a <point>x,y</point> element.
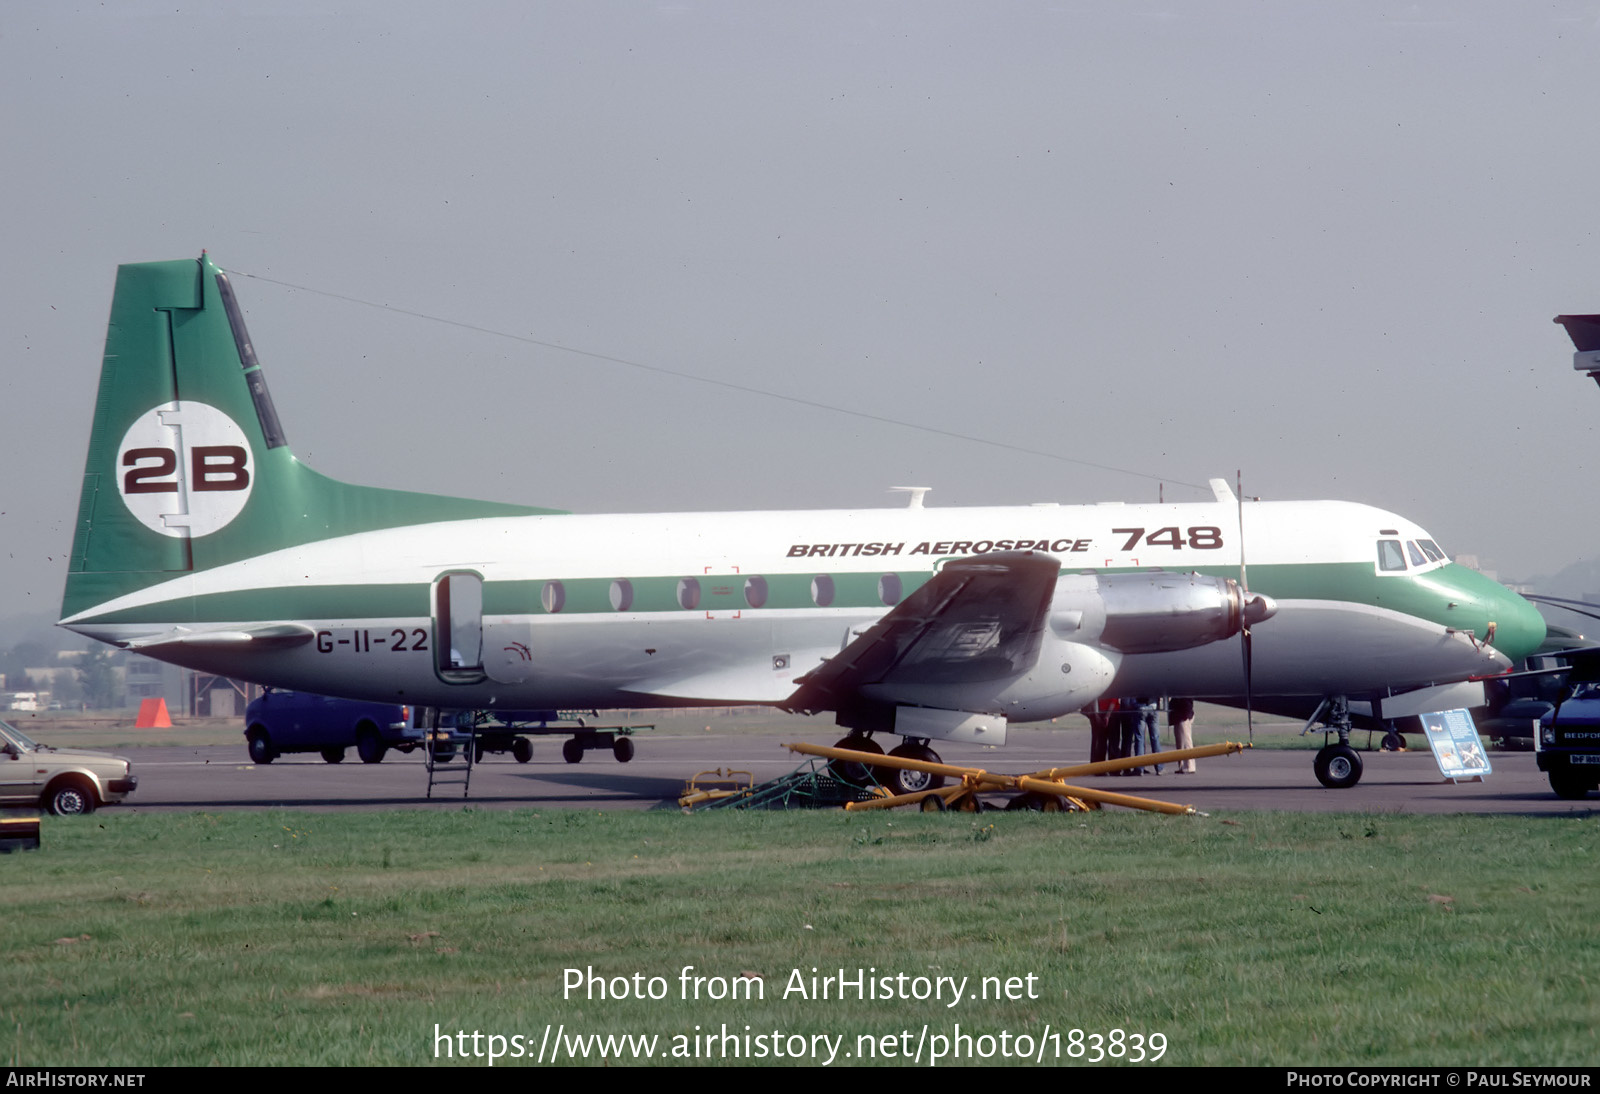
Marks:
<point>1120,728</point>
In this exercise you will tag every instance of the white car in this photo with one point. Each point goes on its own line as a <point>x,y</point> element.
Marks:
<point>66,781</point>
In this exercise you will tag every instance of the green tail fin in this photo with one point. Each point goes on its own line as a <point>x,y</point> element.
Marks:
<point>188,467</point>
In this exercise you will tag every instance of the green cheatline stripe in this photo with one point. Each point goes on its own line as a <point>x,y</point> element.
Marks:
<point>1348,582</point>
<point>718,592</point>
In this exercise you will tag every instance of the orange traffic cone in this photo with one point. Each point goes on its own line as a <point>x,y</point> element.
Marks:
<point>153,715</point>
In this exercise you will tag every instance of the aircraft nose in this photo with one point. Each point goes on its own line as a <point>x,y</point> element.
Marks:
<point>1519,628</point>
<point>1490,611</point>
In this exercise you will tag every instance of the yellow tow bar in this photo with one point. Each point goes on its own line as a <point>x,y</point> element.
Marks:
<point>1048,784</point>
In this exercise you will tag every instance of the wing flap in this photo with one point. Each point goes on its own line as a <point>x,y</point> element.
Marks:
<point>978,619</point>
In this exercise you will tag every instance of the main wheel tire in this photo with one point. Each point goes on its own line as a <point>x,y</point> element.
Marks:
<point>571,750</point>
<point>370,746</point>
<point>622,749</point>
<point>522,750</point>
<point>1338,767</point>
<point>260,745</point>
<point>333,755</point>
<point>900,781</point>
<point>72,797</point>
<point>849,771</point>
<point>1568,787</point>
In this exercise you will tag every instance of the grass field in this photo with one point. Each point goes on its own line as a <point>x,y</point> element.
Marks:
<point>294,938</point>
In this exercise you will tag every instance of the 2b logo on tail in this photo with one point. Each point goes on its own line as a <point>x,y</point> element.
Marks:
<point>184,469</point>
<point>214,467</point>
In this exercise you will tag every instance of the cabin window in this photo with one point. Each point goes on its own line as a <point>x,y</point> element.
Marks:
<point>621,595</point>
<point>755,591</point>
<point>554,597</point>
<point>1390,556</point>
<point>822,590</point>
<point>890,589</point>
<point>688,594</point>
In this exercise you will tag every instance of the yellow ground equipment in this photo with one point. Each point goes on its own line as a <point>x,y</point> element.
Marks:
<point>19,830</point>
<point>1044,790</point>
<point>708,786</point>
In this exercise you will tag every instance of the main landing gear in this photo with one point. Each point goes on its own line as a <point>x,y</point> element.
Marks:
<point>897,780</point>
<point>1338,766</point>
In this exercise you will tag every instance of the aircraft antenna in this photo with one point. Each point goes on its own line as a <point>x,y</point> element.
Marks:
<point>728,385</point>
<point>1244,618</point>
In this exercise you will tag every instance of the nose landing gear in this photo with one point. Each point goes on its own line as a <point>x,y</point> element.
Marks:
<point>1337,766</point>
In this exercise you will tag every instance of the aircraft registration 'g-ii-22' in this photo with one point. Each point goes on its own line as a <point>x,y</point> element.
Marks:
<point>201,540</point>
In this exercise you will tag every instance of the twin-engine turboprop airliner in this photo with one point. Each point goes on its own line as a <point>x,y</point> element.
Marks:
<point>201,540</point>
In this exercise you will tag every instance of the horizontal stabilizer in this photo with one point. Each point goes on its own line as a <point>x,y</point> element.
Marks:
<point>1584,330</point>
<point>277,636</point>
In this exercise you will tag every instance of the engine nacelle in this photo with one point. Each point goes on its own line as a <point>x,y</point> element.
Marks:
<point>1066,677</point>
<point>1153,612</point>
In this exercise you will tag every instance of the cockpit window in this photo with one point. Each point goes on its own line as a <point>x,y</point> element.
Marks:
<point>1417,558</point>
<point>1432,549</point>
<point>1390,557</point>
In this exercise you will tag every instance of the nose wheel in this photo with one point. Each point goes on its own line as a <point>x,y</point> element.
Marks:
<point>1338,767</point>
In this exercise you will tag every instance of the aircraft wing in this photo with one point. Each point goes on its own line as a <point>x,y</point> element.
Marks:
<point>977,619</point>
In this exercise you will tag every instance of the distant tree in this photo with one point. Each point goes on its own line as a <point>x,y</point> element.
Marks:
<point>99,679</point>
<point>17,660</point>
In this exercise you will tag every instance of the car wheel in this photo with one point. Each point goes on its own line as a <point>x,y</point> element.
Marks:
<point>70,798</point>
<point>370,746</point>
<point>1568,787</point>
<point>333,755</point>
<point>261,750</point>
<point>522,750</point>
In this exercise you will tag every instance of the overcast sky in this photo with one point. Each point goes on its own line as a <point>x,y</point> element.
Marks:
<point>1318,243</point>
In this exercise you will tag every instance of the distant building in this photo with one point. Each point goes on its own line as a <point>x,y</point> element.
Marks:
<point>151,679</point>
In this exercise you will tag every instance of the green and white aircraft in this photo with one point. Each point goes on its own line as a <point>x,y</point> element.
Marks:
<point>202,541</point>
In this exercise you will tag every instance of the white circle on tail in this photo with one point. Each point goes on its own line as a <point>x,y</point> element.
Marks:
<point>184,469</point>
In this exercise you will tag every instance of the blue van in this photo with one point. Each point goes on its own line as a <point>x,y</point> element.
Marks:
<point>280,722</point>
